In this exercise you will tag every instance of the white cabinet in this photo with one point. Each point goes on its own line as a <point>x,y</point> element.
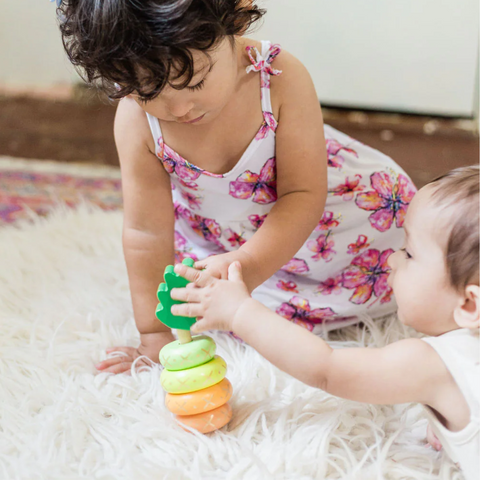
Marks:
<point>417,56</point>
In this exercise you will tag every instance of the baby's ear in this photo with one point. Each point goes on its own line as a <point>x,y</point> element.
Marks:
<point>467,313</point>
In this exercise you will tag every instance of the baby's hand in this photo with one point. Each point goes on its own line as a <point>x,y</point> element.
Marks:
<point>214,302</point>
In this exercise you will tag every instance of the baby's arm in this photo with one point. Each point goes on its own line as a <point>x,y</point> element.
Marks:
<point>301,164</point>
<point>405,371</point>
<point>147,231</point>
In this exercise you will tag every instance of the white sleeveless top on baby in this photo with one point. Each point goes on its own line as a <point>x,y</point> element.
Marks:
<point>460,351</point>
<point>341,270</point>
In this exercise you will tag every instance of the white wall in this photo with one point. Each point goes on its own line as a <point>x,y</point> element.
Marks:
<point>406,55</point>
<point>31,52</point>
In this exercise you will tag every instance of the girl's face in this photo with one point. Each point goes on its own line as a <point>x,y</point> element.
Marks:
<point>209,91</point>
<point>419,278</point>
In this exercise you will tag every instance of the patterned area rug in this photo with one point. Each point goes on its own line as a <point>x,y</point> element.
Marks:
<point>36,186</point>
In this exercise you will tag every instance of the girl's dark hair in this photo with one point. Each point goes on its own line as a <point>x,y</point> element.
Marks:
<point>142,45</point>
<point>459,191</point>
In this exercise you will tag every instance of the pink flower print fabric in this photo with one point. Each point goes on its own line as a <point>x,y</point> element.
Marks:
<point>388,200</point>
<point>173,163</point>
<point>262,187</point>
<point>334,148</point>
<point>328,221</point>
<point>298,310</point>
<point>182,250</point>
<point>193,201</point>
<point>207,228</point>
<point>367,275</point>
<point>387,297</point>
<point>257,220</point>
<point>358,246</point>
<point>296,265</point>
<point>287,286</point>
<point>269,124</point>
<point>331,286</point>
<point>234,238</point>
<point>323,247</point>
<point>348,189</point>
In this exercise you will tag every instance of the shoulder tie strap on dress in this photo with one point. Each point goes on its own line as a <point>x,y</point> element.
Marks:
<point>261,64</point>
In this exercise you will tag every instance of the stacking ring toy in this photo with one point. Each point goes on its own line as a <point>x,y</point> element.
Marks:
<point>200,401</point>
<point>208,421</point>
<point>194,376</point>
<point>178,356</point>
<point>193,379</point>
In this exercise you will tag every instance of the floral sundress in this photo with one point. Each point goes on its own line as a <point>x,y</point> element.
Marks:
<point>341,270</point>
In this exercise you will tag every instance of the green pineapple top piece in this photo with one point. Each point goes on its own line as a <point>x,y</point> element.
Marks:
<point>163,311</point>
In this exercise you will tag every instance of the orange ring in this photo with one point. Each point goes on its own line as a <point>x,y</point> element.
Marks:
<point>200,401</point>
<point>208,421</point>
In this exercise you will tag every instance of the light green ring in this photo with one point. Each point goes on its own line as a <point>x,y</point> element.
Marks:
<point>178,356</point>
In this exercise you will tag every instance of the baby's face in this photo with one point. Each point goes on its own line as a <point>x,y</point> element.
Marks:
<point>208,92</point>
<point>419,279</point>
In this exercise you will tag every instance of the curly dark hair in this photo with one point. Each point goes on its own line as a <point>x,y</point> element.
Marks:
<point>125,46</point>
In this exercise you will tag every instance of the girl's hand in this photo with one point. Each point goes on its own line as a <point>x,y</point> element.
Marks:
<point>150,346</point>
<point>217,265</point>
<point>214,302</point>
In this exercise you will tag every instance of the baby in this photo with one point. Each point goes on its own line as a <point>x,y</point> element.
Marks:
<point>435,278</point>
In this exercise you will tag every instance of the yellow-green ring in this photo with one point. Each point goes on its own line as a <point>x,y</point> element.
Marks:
<point>193,379</point>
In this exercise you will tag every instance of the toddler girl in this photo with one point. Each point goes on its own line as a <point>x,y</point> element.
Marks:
<point>435,278</point>
<point>223,158</point>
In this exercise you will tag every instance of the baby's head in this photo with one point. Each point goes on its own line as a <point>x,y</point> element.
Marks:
<point>435,277</point>
<point>177,58</point>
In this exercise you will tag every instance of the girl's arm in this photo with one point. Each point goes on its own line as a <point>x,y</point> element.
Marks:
<point>405,371</point>
<point>148,231</point>
<point>301,163</point>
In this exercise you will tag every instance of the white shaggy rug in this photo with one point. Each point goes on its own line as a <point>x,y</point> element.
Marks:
<point>64,299</point>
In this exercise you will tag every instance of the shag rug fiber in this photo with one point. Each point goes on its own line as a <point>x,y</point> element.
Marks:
<point>64,298</point>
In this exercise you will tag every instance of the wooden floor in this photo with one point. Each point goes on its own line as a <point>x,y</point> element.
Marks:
<point>81,131</point>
